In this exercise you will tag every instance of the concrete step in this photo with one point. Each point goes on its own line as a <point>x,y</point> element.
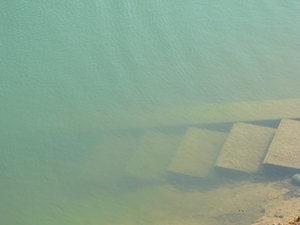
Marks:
<point>153,155</point>
<point>109,159</point>
<point>284,151</point>
<point>198,114</point>
<point>245,148</point>
<point>198,152</point>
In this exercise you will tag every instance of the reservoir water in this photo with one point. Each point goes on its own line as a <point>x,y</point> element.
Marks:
<point>80,77</point>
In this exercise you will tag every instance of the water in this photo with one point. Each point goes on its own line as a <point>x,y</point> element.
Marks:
<point>67,65</point>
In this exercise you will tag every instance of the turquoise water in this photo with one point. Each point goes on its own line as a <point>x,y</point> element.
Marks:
<point>65,64</point>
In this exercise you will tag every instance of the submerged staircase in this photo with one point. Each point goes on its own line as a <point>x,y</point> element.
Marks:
<point>201,149</point>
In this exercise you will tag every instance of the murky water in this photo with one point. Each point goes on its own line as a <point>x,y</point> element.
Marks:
<point>73,73</point>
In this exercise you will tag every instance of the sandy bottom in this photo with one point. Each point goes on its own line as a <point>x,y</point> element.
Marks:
<point>239,202</point>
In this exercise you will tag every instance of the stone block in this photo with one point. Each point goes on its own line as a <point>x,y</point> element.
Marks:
<point>198,152</point>
<point>245,148</point>
<point>284,151</point>
<point>194,114</point>
<point>109,159</point>
<point>153,155</point>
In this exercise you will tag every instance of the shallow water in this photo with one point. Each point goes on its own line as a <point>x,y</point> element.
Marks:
<point>70,70</point>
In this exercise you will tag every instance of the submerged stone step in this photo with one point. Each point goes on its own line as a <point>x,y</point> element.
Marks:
<point>245,148</point>
<point>153,155</point>
<point>196,114</point>
<point>198,152</point>
<point>284,151</point>
<point>109,159</point>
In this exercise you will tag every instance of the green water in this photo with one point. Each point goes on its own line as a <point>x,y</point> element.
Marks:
<point>65,64</point>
